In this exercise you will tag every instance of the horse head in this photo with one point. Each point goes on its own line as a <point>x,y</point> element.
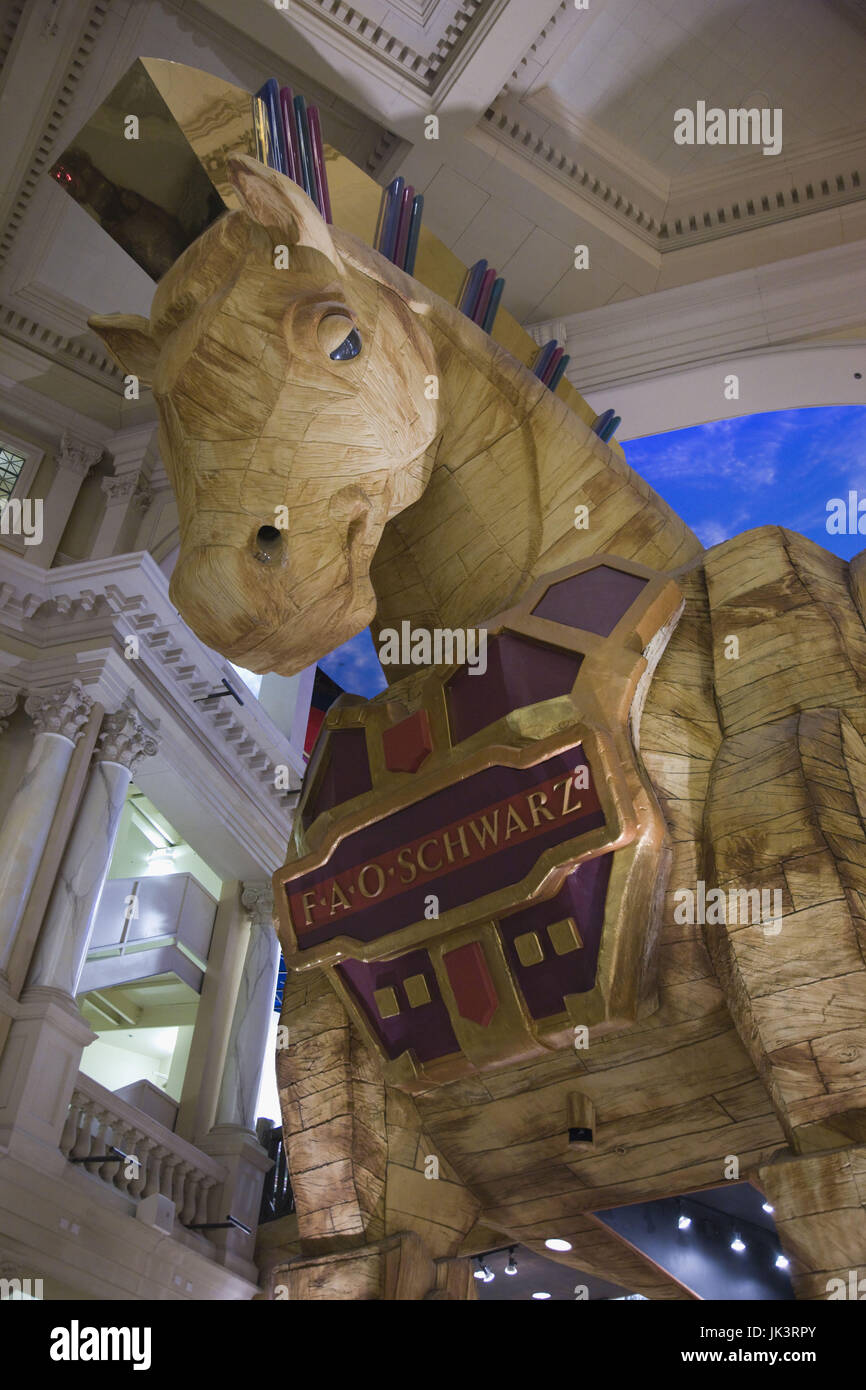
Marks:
<point>288,369</point>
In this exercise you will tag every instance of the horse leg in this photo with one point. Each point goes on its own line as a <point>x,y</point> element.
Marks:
<point>380,1215</point>
<point>820,1212</point>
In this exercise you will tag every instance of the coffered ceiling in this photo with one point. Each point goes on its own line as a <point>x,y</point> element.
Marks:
<point>555,129</point>
<point>627,66</point>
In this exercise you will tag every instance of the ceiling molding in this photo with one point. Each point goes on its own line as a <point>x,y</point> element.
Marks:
<point>40,416</point>
<point>418,11</point>
<point>598,144</point>
<point>46,148</point>
<point>793,376</point>
<point>562,19</point>
<point>562,169</point>
<point>423,70</point>
<point>730,215</point>
<point>82,357</point>
<point>776,305</point>
<point>125,595</point>
<point>11,19</point>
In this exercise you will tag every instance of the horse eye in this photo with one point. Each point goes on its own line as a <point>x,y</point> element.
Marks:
<point>349,347</point>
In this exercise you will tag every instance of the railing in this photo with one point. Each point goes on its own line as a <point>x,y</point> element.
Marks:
<point>155,1159</point>
<point>277,1196</point>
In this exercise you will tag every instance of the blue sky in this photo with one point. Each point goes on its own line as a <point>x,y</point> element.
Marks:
<point>780,468</point>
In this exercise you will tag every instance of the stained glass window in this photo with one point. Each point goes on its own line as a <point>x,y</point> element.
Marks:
<point>10,470</point>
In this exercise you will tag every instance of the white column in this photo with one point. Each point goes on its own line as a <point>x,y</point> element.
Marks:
<point>245,1055</point>
<point>63,941</point>
<point>59,716</point>
<point>74,460</point>
<point>127,493</point>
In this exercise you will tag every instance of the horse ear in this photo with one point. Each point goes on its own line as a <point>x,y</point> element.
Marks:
<point>128,339</point>
<point>276,201</point>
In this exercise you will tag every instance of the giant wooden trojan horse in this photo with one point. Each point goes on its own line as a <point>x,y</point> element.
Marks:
<point>481,908</point>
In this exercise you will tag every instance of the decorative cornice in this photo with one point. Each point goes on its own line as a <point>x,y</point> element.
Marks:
<point>65,94</point>
<point>797,199</point>
<point>11,20</point>
<point>90,361</point>
<point>422,70</point>
<point>518,135</point>
<point>124,596</point>
<point>545,35</point>
<point>776,305</point>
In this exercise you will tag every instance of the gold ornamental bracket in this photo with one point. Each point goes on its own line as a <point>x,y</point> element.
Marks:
<point>604,622</point>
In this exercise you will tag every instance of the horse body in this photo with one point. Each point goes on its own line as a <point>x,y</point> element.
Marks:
<point>431,478</point>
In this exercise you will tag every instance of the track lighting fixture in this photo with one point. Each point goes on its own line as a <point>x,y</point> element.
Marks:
<point>511,1267</point>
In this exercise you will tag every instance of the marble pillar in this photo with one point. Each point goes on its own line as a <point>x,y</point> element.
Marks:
<point>59,716</point>
<point>74,459</point>
<point>254,1007</point>
<point>65,936</point>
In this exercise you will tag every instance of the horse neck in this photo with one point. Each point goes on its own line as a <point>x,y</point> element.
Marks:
<point>510,467</point>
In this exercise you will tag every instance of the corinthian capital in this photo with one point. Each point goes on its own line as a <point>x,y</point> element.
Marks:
<point>129,487</point>
<point>8,701</point>
<point>124,739</point>
<point>63,710</point>
<point>258,899</point>
<point>76,456</point>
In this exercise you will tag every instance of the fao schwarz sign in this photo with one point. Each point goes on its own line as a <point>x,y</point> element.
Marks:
<point>494,841</point>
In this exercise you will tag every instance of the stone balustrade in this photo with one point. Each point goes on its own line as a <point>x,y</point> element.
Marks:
<point>164,1163</point>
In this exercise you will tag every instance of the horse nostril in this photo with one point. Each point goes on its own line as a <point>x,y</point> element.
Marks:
<point>268,545</point>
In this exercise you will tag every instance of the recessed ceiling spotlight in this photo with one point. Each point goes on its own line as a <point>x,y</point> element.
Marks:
<point>511,1267</point>
<point>768,1207</point>
<point>782,1262</point>
<point>541,1295</point>
<point>555,1243</point>
<point>738,1245</point>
